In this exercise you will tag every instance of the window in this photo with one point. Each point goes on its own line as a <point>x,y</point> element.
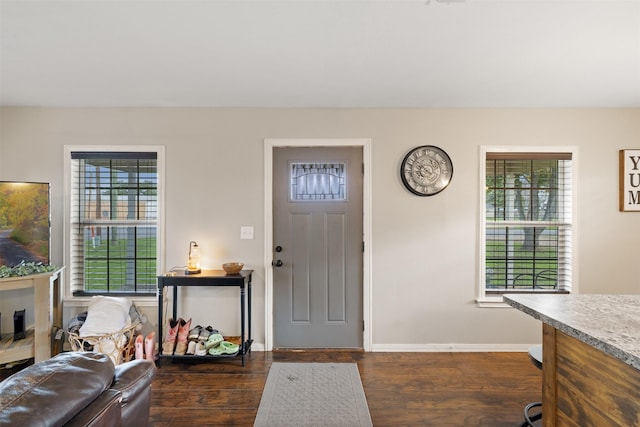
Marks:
<point>113,216</point>
<point>527,222</point>
<point>318,181</point>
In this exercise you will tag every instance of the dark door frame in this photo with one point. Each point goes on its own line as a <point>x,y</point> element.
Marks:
<point>269,145</point>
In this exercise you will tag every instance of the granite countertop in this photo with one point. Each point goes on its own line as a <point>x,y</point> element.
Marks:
<point>610,323</point>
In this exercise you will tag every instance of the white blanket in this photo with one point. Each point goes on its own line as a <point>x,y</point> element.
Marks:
<point>106,315</point>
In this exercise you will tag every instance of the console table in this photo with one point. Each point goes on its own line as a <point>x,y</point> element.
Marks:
<point>591,357</point>
<point>208,278</point>
<point>47,311</point>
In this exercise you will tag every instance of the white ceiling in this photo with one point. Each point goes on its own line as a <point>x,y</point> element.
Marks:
<point>304,53</point>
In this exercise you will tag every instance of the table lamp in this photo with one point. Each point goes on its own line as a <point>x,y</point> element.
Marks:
<point>193,265</point>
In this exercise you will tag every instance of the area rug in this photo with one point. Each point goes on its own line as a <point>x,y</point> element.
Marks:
<point>313,394</point>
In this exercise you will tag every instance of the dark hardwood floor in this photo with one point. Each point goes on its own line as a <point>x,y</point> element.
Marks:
<point>402,389</point>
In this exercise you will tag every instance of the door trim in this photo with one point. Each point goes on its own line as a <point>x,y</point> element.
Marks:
<point>269,145</point>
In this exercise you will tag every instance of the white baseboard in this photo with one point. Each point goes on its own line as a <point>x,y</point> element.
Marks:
<point>452,347</point>
<point>433,348</point>
<point>257,346</point>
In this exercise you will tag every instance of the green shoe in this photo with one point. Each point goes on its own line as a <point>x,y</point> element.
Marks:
<point>216,351</point>
<point>229,347</point>
<point>213,341</point>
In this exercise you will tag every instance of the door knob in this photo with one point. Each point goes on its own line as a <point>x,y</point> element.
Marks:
<point>276,263</point>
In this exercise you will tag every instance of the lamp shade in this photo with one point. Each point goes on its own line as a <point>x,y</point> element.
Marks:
<point>193,263</point>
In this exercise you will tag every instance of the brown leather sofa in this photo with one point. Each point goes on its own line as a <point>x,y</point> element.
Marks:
<point>78,389</point>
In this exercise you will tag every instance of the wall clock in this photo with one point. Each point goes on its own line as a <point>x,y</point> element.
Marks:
<point>426,170</point>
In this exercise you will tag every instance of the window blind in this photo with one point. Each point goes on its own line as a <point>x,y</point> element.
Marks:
<point>114,220</point>
<point>528,211</point>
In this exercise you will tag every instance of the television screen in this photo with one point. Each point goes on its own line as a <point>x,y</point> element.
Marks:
<point>24,222</point>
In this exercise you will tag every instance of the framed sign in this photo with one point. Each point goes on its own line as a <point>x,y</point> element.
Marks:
<point>630,180</point>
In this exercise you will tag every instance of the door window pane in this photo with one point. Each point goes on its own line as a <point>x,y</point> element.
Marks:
<point>317,181</point>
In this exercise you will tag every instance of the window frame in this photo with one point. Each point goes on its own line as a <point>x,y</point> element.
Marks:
<point>68,216</point>
<point>486,298</point>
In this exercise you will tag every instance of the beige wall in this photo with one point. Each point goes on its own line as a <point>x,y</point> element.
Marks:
<point>424,249</point>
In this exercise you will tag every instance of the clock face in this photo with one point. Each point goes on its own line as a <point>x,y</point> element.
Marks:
<point>426,170</point>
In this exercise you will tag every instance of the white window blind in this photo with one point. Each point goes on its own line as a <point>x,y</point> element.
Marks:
<point>114,223</point>
<point>528,222</point>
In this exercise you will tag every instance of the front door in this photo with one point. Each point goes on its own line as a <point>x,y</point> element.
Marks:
<point>318,245</point>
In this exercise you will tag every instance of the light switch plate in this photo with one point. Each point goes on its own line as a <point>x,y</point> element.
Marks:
<point>246,232</point>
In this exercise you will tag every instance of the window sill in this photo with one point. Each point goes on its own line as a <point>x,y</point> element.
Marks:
<point>494,299</point>
<point>84,301</point>
<point>492,302</point>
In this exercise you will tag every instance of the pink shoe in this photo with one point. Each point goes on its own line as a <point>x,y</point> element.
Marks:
<point>170,340</point>
<point>183,335</point>
<point>139,350</point>
<point>150,346</point>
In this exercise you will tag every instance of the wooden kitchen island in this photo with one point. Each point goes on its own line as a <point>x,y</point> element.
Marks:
<point>591,357</point>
